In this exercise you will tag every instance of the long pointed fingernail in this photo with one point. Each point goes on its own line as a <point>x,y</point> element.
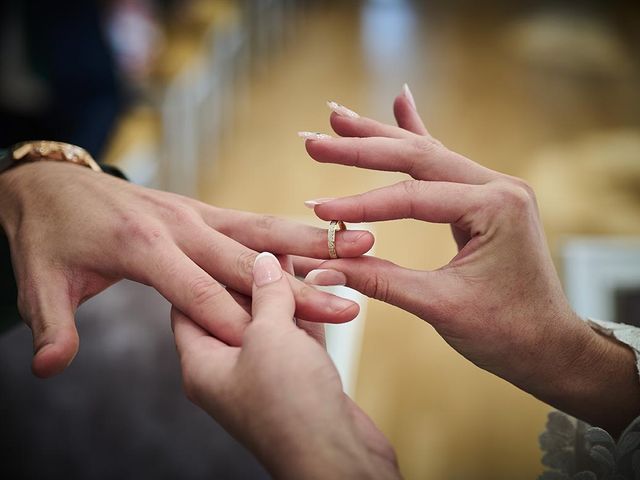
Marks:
<point>318,201</point>
<point>325,277</point>
<point>266,269</point>
<point>342,110</point>
<point>314,135</point>
<point>409,96</point>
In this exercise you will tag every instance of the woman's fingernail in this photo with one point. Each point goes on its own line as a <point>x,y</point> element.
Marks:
<point>314,135</point>
<point>266,269</point>
<point>318,201</point>
<point>342,110</point>
<point>325,277</point>
<point>409,96</point>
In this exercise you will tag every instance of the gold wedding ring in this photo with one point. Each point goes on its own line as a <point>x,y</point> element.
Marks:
<point>331,236</point>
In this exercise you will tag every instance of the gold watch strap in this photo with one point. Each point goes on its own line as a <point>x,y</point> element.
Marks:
<point>38,150</point>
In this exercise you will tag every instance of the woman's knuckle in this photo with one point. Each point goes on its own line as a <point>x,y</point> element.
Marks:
<point>513,195</point>
<point>266,222</point>
<point>411,188</point>
<point>424,145</point>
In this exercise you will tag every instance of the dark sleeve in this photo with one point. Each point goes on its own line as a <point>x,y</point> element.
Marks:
<point>8,289</point>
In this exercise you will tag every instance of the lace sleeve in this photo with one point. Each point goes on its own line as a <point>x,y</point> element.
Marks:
<point>573,450</point>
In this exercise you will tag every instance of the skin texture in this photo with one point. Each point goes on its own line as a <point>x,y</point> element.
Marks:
<point>499,301</point>
<point>74,232</point>
<point>279,393</point>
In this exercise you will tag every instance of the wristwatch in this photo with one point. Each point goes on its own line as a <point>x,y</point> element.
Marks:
<point>37,150</point>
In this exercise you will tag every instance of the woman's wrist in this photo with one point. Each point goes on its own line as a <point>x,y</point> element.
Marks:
<point>339,455</point>
<point>589,376</point>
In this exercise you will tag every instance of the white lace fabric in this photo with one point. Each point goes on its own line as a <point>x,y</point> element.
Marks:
<point>574,450</point>
<point>627,334</point>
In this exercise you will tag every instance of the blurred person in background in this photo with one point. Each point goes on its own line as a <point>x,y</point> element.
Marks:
<point>498,302</point>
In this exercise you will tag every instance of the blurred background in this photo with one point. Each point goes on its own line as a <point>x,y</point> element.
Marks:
<point>204,98</point>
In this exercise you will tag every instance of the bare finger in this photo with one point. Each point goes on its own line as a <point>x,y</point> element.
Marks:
<point>412,290</point>
<point>45,304</point>
<point>420,157</point>
<point>439,202</point>
<point>206,361</point>
<point>406,114</point>
<point>272,298</point>
<point>193,291</point>
<point>264,233</point>
<point>364,127</point>
<point>232,264</point>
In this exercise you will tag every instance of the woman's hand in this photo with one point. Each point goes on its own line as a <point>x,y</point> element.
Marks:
<point>73,232</point>
<point>279,393</point>
<point>499,301</point>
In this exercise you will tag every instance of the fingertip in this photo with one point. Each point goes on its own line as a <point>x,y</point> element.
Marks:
<point>402,101</point>
<point>349,313</point>
<point>315,149</point>
<point>365,243</point>
<point>324,211</point>
<point>353,243</point>
<point>266,269</point>
<point>340,123</point>
<point>53,358</point>
<point>402,108</point>
<point>407,116</point>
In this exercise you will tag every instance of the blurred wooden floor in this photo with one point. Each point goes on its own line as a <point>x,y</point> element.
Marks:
<point>514,89</point>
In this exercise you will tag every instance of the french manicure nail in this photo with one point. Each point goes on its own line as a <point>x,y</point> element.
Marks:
<point>314,135</point>
<point>409,96</point>
<point>318,201</point>
<point>325,277</point>
<point>342,110</point>
<point>266,269</point>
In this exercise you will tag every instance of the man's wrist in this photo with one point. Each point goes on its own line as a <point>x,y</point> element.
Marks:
<point>9,198</point>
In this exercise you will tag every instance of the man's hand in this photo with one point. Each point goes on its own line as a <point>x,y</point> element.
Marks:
<point>279,393</point>
<point>73,232</point>
<point>499,301</point>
